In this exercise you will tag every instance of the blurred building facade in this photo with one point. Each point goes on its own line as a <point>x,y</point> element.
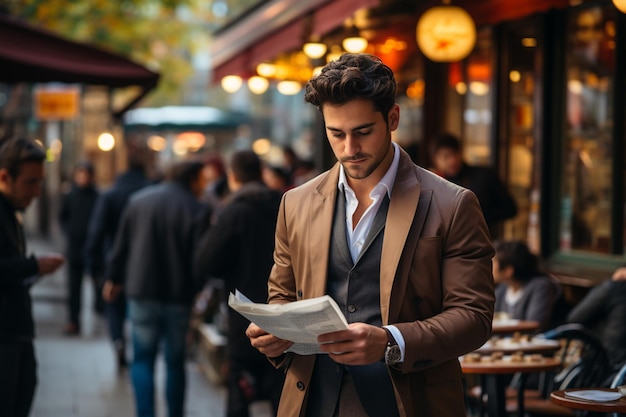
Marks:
<point>539,98</point>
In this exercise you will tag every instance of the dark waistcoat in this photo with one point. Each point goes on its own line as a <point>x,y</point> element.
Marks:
<point>356,289</point>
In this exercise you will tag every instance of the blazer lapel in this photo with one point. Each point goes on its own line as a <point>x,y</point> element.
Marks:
<point>400,217</point>
<point>378,224</point>
<point>321,213</point>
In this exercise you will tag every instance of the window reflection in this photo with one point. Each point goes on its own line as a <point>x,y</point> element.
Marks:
<point>522,172</point>
<point>586,191</point>
<point>477,116</point>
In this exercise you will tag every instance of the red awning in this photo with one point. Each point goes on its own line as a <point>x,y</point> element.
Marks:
<point>279,27</point>
<point>30,54</point>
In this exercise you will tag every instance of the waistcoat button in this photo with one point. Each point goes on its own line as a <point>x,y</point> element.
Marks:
<point>351,308</point>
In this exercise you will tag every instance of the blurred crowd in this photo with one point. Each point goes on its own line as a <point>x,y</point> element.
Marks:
<point>153,246</point>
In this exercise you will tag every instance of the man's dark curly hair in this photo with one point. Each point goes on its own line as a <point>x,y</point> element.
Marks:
<point>351,77</point>
<point>17,151</point>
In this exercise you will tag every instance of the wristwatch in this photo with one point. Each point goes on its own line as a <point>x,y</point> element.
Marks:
<point>392,352</point>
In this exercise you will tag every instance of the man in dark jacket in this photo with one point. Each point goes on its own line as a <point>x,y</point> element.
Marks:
<point>102,228</point>
<point>238,248</point>
<point>152,259</point>
<point>21,175</point>
<point>603,310</point>
<point>495,200</point>
<point>76,209</point>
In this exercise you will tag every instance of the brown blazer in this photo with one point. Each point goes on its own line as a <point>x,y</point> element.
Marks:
<point>436,283</point>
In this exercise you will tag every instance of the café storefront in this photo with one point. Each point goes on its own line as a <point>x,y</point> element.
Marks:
<point>541,99</point>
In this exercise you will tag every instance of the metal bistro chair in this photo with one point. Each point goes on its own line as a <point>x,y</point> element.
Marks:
<point>618,380</point>
<point>585,364</point>
<point>585,360</point>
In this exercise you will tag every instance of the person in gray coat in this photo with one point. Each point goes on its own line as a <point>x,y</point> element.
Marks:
<point>523,291</point>
<point>152,260</point>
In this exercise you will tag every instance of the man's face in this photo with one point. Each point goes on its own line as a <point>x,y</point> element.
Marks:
<point>198,184</point>
<point>448,162</point>
<point>26,186</point>
<point>501,275</point>
<point>82,178</point>
<point>360,138</point>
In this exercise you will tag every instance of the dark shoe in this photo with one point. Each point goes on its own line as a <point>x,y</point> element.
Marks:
<point>120,354</point>
<point>71,329</point>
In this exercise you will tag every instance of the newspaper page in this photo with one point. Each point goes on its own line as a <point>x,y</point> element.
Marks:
<point>299,321</point>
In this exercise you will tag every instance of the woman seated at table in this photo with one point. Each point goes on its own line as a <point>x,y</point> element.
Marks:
<point>523,292</point>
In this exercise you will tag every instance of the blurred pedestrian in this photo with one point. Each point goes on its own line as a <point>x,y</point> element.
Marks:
<point>523,292</point>
<point>102,228</point>
<point>76,209</point>
<point>291,161</point>
<point>276,178</point>
<point>603,311</point>
<point>496,202</point>
<point>152,260</point>
<point>21,176</point>
<point>238,248</point>
<point>216,189</point>
<point>305,171</point>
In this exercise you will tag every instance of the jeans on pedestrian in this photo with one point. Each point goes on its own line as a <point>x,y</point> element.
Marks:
<point>152,323</point>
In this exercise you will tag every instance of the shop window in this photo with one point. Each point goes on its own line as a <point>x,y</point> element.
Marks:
<point>587,193</point>
<point>523,45</point>
<point>470,98</point>
<point>477,117</point>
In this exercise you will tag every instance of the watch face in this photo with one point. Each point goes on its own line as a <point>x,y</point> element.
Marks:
<point>393,355</point>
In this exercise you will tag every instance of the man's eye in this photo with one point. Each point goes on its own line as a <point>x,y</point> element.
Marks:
<point>363,132</point>
<point>337,135</point>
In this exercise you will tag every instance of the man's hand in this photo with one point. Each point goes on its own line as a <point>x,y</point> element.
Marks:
<point>47,264</point>
<point>619,274</point>
<point>111,291</point>
<point>269,345</point>
<point>361,344</point>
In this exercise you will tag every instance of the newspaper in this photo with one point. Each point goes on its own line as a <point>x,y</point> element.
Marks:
<point>299,321</point>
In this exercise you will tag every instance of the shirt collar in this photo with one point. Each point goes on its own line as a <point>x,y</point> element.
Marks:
<point>387,180</point>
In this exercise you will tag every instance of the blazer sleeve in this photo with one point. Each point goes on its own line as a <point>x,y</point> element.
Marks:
<point>460,298</point>
<point>281,283</point>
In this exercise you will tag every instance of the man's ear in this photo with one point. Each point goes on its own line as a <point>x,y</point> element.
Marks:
<point>232,180</point>
<point>4,175</point>
<point>5,178</point>
<point>393,117</point>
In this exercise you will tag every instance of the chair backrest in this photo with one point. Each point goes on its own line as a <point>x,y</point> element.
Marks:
<point>584,358</point>
<point>619,378</point>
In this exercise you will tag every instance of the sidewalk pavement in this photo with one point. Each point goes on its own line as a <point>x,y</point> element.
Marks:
<point>78,375</point>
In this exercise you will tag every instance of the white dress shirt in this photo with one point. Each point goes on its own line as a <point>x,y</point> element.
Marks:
<point>357,234</point>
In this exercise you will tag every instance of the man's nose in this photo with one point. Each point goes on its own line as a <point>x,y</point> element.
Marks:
<point>351,146</point>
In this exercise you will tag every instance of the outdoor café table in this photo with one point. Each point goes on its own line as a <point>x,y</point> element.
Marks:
<point>512,326</point>
<point>508,345</point>
<point>616,406</point>
<point>494,374</point>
